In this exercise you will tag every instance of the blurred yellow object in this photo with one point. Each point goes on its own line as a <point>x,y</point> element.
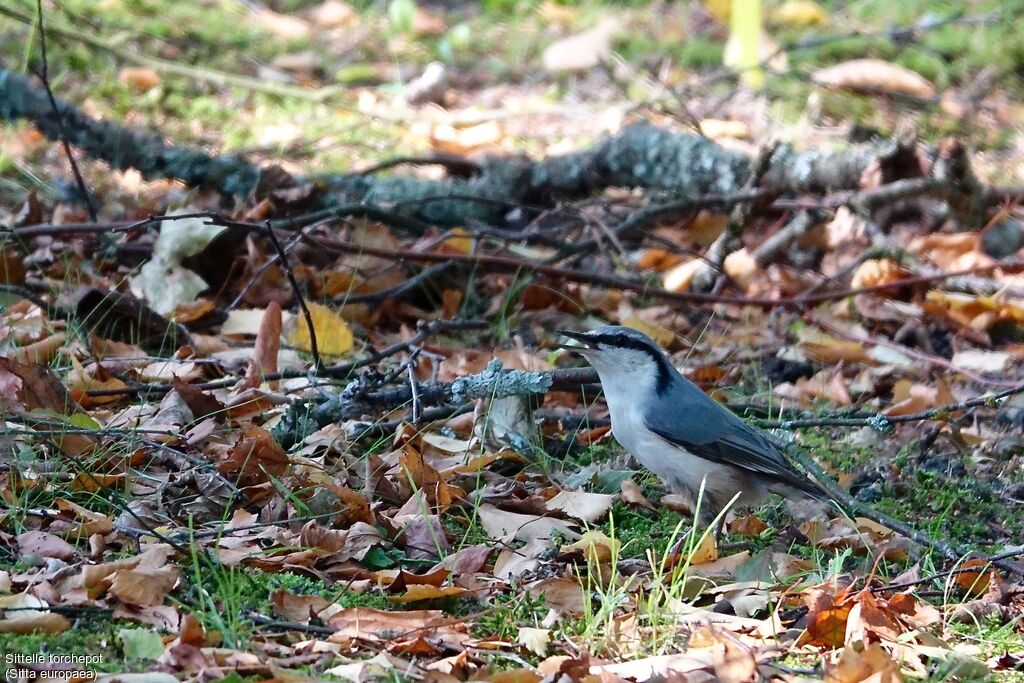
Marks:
<point>743,51</point>
<point>721,9</point>
<point>799,14</point>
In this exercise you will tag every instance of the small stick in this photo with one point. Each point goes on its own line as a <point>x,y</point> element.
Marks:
<point>298,295</point>
<point>44,76</point>
<point>414,387</point>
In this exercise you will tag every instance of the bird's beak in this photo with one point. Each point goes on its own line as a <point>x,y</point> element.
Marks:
<point>580,337</point>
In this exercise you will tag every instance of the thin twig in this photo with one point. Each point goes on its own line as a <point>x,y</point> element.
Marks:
<point>993,560</point>
<point>44,76</point>
<point>854,506</point>
<point>283,256</point>
<point>884,423</point>
<point>337,371</point>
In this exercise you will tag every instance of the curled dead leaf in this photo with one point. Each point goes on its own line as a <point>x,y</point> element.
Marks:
<point>874,76</point>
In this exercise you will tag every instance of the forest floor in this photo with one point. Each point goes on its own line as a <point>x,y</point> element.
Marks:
<point>178,552</point>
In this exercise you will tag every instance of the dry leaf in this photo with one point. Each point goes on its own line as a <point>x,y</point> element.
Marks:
<point>254,458</point>
<point>587,507</point>
<point>421,592</point>
<point>874,272</point>
<point>144,585</point>
<point>632,495</point>
<point>502,525</point>
<point>138,78</point>
<point>874,76</point>
<point>706,552</point>
<point>861,663</point>
<point>799,14</point>
<point>463,140</point>
<point>749,525</point>
<point>582,51</point>
<point>658,333</point>
<point>333,336</point>
<point>974,583</point>
<point>596,547</point>
<point>534,639</point>
<point>268,342</point>
<point>39,622</point>
<point>333,14</point>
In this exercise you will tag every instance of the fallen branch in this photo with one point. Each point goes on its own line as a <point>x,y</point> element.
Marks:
<point>886,423</point>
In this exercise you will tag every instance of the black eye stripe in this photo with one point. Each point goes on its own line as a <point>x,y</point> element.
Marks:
<point>624,342</point>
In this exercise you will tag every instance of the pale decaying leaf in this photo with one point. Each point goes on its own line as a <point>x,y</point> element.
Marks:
<point>582,505</point>
<point>982,362</point>
<point>138,78</point>
<point>534,639</point>
<point>582,51</point>
<point>679,278</point>
<point>874,76</point>
<point>163,281</point>
<point>505,526</point>
<point>874,272</point>
<point>976,313</point>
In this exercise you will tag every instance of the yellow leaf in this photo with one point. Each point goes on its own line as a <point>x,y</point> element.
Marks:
<point>706,552</point>
<point>595,546</point>
<point>333,337</point>
<point>799,13</point>
<point>720,9</point>
<point>459,240</point>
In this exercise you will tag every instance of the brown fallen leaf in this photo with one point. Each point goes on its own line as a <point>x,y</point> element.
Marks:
<point>138,78</point>
<point>582,505</point>
<point>633,495</point>
<point>748,525</point>
<point>378,625</point>
<point>254,458</point>
<point>874,76</point>
<point>40,622</point>
<point>296,608</point>
<point>45,544</point>
<point>582,51</point>
<point>860,662</point>
<point>144,585</point>
<point>502,525</point>
<point>596,547</point>
<point>333,336</point>
<point>565,595</point>
<point>268,345</point>
<point>976,582</point>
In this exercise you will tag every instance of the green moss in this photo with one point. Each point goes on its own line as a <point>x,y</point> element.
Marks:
<point>642,530</point>
<point>506,613</point>
<point>93,634</point>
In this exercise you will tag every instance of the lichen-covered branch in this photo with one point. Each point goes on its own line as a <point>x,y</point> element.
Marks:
<point>667,164</point>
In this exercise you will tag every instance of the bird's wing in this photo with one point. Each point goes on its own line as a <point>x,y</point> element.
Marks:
<point>710,431</point>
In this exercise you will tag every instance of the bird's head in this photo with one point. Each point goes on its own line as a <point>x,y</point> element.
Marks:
<point>622,356</point>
